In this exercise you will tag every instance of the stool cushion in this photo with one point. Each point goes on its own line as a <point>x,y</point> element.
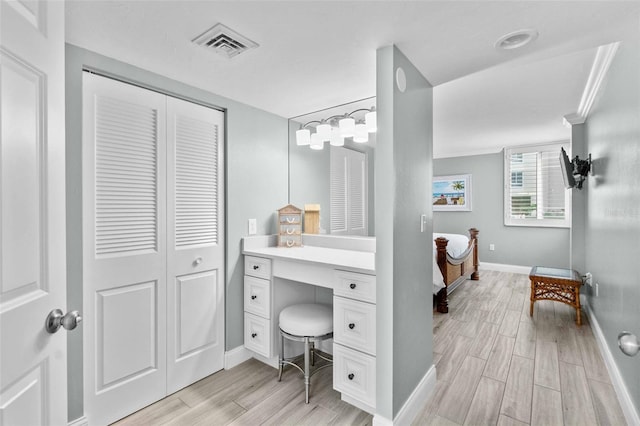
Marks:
<point>309,320</point>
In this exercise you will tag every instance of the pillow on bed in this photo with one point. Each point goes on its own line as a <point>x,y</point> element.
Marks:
<point>457,243</point>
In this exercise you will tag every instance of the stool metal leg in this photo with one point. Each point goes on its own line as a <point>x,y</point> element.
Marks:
<point>306,370</point>
<point>281,363</point>
<point>313,354</point>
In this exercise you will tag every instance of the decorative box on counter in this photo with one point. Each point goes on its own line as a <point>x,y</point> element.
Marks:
<point>311,218</point>
<point>289,226</point>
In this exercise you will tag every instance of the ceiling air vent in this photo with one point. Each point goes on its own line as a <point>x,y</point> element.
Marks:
<point>224,41</point>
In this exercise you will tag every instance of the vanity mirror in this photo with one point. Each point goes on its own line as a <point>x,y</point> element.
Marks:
<point>335,171</point>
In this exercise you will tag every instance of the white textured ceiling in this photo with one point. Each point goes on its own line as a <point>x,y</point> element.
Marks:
<point>316,54</point>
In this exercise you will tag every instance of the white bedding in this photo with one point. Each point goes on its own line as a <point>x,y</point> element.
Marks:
<point>455,247</point>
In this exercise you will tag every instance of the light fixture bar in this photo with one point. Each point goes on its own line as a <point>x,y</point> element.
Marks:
<point>336,128</point>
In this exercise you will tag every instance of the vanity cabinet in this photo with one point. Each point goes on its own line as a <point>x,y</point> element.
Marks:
<point>276,277</point>
<point>354,334</point>
<point>257,305</point>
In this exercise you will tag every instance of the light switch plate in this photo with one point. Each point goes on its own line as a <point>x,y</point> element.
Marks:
<point>423,222</point>
<point>253,227</point>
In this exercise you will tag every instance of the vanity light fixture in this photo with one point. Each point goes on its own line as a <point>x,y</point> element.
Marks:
<point>336,137</point>
<point>338,127</point>
<point>361,135</point>
<point>316,142</point>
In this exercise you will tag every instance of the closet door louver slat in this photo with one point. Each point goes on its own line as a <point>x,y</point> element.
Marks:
<point>196,182</point>
<point>126,175</point>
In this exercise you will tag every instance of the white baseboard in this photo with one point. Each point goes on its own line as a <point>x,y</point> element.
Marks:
<point>626,402</point>
<point>378,420</point>
<point>81,421</point>
<point>414,403</point>
<point>236,356</point>
<point>516,269</point>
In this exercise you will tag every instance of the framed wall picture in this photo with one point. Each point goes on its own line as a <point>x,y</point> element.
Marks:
<point>451,193</point>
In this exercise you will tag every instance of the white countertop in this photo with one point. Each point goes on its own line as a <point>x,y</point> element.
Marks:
<point>337,258</point>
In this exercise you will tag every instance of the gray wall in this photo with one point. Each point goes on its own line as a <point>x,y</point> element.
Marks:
<point>613,207</point>
<point>578,203</point>
<point>403,175</point>
<point>514,245</point>
<point>256,185</point>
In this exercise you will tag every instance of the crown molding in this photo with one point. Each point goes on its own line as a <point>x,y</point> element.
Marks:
<point>601,64</point>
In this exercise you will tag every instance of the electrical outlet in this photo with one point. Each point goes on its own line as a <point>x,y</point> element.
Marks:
<point>253,227</point>
<point>492,247</point>
<point>588,279</point>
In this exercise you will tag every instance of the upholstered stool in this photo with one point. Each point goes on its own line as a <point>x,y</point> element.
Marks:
<point>308,323</point>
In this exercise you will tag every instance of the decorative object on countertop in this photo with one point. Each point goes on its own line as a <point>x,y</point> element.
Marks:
<point>311,218</point>
<point>289,226</point>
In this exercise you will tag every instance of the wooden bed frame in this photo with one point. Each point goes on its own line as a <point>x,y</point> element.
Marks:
<point>455,270</point>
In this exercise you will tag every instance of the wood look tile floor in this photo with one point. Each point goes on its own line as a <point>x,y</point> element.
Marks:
<point>496,365</point>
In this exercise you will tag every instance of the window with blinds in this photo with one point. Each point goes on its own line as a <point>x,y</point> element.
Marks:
<point>534,193</point>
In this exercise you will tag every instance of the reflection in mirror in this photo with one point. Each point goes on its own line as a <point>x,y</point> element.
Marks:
<point>333,171</point>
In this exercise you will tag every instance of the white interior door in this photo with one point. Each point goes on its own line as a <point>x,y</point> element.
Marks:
<point>33,378</point>
<point>195,248</point>
<point>124,245</point>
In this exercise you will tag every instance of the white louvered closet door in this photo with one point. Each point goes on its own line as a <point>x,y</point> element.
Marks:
<point>195,302</point>
<point>124,245</point>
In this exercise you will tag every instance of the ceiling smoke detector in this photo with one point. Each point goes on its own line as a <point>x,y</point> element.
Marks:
<point>223,40</point>
<point>516,39</point>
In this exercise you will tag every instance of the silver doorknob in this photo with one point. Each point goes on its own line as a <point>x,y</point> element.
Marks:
<point>56,318</point>
<point>628,343</point>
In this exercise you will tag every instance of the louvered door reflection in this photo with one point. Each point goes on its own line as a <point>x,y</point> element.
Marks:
<point>195,263</point>
<point>124,246</point>
<point>348,192</point>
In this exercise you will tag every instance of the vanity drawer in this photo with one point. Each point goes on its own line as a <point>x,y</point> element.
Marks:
<point>354,374</point>
<point>354,324</point>
<point>257,296</point>
<point>355,286</point>
<point>257,267</point>
<point>257,334</point>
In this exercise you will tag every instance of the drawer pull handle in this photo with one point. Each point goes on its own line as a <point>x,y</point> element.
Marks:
<point>290,231</point>
<point>254,297</point>
<point>350,376</point>
<point>352,286</point>
<point>352,326</point>
<point>253,335</point>
<point>256,267</point>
